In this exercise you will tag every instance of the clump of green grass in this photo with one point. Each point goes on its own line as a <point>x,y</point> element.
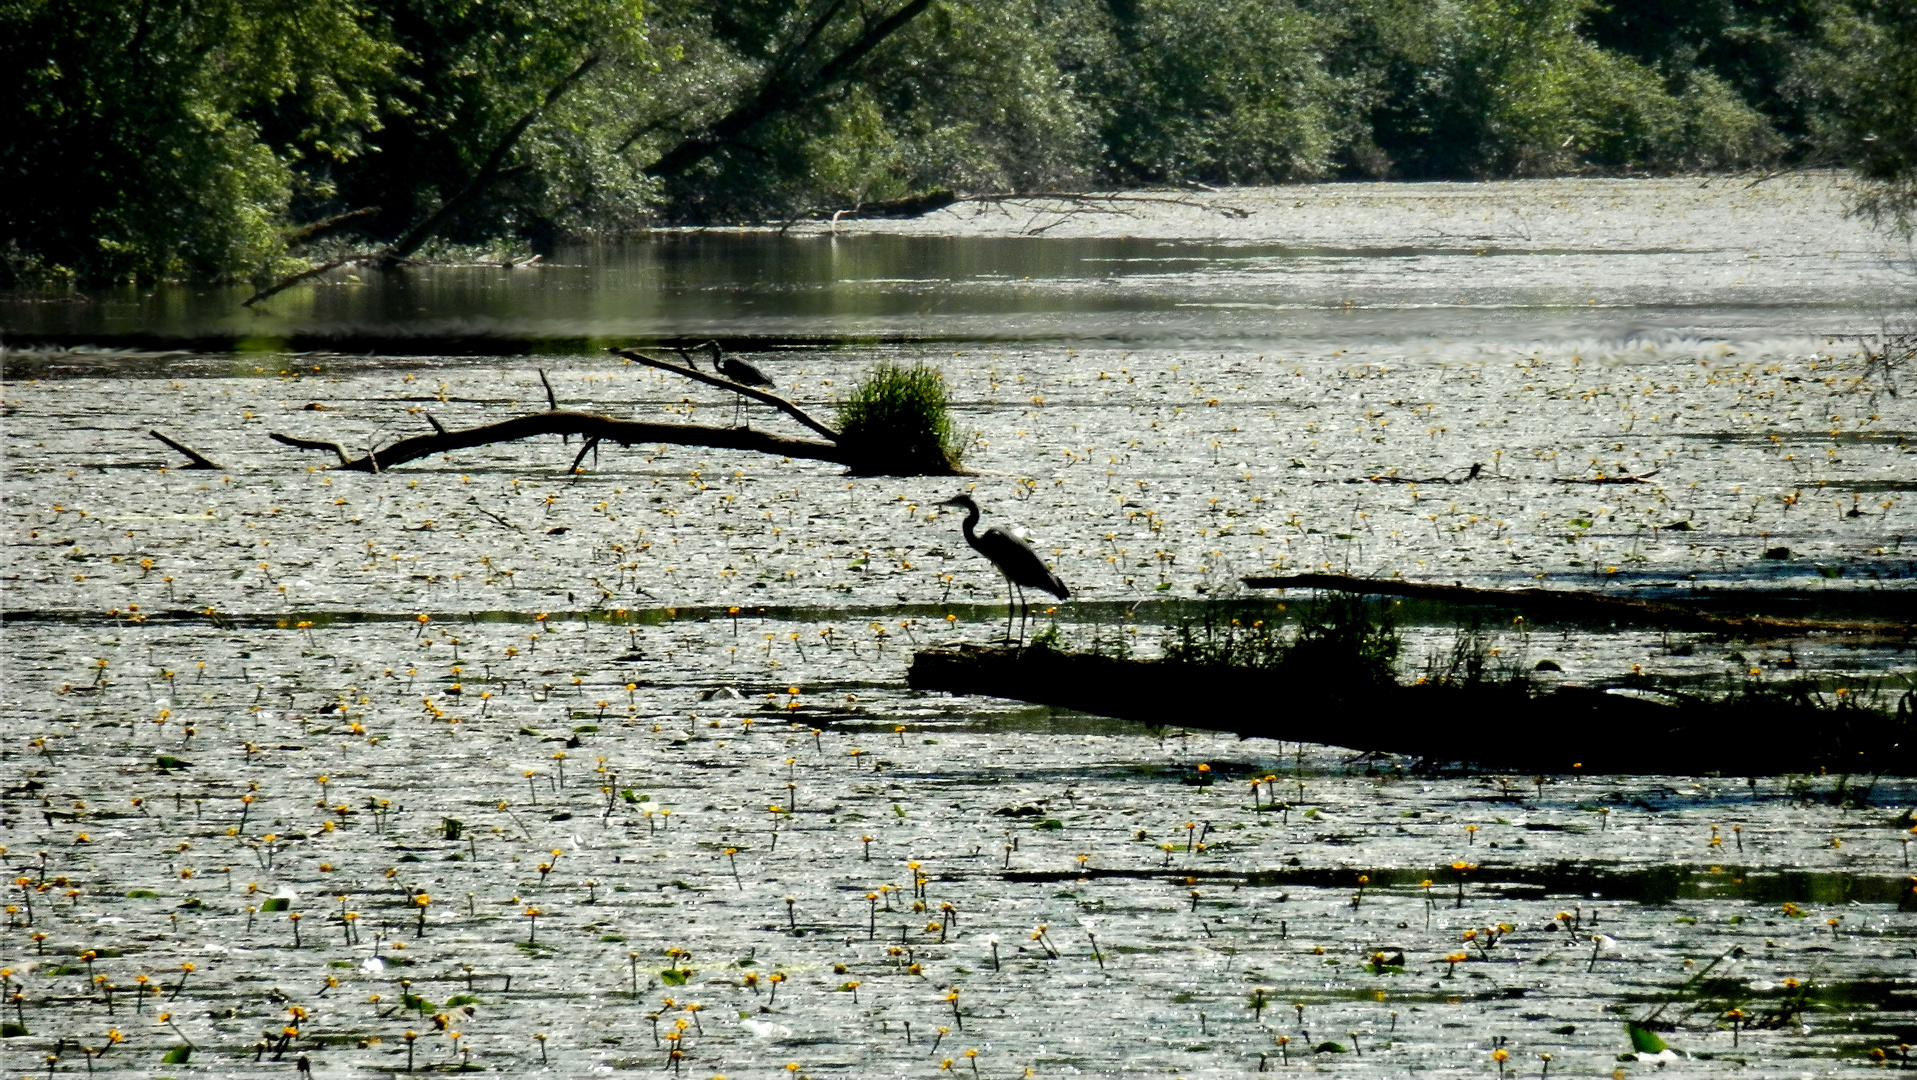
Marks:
<point>897,423</point>
<point>1343,641</point>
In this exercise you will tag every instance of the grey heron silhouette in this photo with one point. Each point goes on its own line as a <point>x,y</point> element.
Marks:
<point>737,370</point>
<point>1014,558</point>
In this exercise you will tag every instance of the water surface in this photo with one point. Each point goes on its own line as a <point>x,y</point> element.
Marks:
<point>1171,398</point>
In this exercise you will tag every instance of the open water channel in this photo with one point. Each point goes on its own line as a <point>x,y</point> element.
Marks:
<point>586,768</point>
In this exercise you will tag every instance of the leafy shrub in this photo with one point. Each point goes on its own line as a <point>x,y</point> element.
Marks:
<point>896,423</point>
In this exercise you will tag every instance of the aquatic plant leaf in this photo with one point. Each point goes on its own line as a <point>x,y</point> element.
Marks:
<point>1644,1040</point>
<point>675,976</point>
<point>177,1056</point>
<point>167,761</point>
<point>276,903</point>
<point>1329,1048</point>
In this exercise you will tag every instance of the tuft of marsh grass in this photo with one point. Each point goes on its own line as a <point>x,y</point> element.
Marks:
<point>1473,663</point>
<point>897,423</point>
<point>1344,641</point>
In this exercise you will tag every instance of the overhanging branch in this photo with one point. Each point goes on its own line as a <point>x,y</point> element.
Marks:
<point>723,383</point>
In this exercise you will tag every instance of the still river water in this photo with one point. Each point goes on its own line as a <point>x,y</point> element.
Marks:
<point>1171,395</point>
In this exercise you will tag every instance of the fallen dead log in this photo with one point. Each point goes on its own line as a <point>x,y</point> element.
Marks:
<point>1384,478</point>
<point>1101,201</point>
<point>1565,604</point>
<point>1641,478</point>
<point>1500,726</point>
<point>311,444</point>
<point>595,428</point>
<point>266,292</point>
<point>592,427</point>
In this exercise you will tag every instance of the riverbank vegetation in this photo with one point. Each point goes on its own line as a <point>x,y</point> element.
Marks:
<point>213,139</point>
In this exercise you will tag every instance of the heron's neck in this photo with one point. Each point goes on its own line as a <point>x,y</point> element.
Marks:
<point>971,520</point>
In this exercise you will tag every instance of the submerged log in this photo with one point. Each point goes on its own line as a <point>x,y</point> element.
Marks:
<point>1501,726</point>
<point>195,459</point>
<point>1571,605</point>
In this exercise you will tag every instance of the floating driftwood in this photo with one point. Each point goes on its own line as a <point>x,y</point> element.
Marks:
<point>1502,726</point>
<point>1566,604</point>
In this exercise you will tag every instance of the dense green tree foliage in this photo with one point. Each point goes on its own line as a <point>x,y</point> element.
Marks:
<point>221,138</point>
<point>137,137</point>
<point>1872,119</point>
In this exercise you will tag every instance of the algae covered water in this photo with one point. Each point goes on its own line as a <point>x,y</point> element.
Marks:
<point>592,768</point>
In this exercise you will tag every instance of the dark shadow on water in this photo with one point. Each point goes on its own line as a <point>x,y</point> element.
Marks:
<point>1586,881</point>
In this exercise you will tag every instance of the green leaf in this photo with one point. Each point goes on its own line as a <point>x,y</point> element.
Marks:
<point>675,976</point>
<point>141,894</point>
<point>1050,825</point>
<point>275,903</point>
<point>166,761</point>
<point>1329,1048</point>
<point>457,1000</point>
<point>1644,1040</point>
<point>11,1030</point>
<point>177,1056</point>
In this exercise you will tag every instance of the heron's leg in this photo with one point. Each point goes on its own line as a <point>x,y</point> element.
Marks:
<point>1009,593</point>
<point>1019,591</point>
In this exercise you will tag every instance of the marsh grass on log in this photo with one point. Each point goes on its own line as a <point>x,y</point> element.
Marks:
<point>1332,681</point>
